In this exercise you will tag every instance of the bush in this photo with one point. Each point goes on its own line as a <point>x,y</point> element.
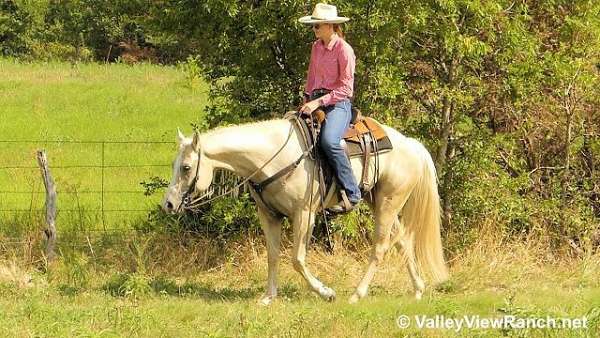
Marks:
<point>128,285</point>
<point>52,51</point>
<point>223,219</point>
<point>15,27</point>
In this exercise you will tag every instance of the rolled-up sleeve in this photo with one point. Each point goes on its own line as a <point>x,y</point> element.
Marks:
<point>344,86</point>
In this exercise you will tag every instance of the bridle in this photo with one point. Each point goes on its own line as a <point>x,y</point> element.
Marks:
<point>186,198</point>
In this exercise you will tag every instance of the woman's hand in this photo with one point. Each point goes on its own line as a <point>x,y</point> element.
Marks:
<point>309,107</point>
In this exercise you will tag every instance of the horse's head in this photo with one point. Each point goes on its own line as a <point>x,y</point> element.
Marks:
<point>192,174</point>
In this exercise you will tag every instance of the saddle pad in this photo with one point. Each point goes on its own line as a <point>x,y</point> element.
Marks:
<point>355,149</point>
<point>363,127</point>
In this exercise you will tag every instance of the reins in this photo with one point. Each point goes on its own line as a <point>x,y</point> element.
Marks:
<point>189,204</point>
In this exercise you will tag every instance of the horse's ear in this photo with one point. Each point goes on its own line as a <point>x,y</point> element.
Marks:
<point>196,141</point>
<point>180,136</point>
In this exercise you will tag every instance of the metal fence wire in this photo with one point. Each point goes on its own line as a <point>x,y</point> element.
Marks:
<point>108,158</point>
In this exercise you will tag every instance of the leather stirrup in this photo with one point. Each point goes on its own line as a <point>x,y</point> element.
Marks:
<point>347,204</point>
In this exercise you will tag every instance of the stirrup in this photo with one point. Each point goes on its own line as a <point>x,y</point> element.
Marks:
<point>344,206</point>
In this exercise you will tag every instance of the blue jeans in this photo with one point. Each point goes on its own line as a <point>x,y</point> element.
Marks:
<point>336,123</point>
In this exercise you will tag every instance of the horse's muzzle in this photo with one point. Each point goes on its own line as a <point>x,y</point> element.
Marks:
<point>168,207</point>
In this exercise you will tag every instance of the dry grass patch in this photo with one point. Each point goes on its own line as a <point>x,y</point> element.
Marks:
<point>12,274</point>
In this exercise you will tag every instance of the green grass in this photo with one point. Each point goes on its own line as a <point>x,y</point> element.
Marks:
<point>91,102</point>
<point>83,295</point>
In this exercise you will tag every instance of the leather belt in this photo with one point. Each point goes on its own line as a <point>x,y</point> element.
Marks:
<point>317,93</point>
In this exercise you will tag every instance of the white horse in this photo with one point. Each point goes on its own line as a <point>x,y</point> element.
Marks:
<point>406,185</point>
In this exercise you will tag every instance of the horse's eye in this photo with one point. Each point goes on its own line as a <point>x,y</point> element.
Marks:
<point>187,168</point>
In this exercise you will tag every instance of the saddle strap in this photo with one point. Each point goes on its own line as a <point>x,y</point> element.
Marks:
<point>261,201</point>
<point>259,187</point>
<point>374,141</point>
<point>345,200</point>
<point>366,141</point>
<point>303,128</point>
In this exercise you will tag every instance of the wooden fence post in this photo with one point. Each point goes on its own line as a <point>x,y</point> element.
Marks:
<point>50,231</point>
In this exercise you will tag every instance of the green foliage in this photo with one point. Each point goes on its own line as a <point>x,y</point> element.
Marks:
<point>256,68</point>
<point>15,26</point>
<point>153,185</point>
<point>98,25</point>
<point>192,70</point>
<point>354,228</point>
<point>71,30</point>
<point>224,218</point>
<point>230,215</point>
<point>593,317</point>
<point>133,285</point>
<point>49,51</point>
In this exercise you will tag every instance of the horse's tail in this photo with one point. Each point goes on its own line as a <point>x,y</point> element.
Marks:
<point>421,216</point>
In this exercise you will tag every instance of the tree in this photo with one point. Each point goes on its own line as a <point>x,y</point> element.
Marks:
<point>15,25</point>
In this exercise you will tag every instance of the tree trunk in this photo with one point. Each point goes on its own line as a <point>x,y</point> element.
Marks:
<point>445,145</point>
<point>446,122</point>
<point>446,127</point>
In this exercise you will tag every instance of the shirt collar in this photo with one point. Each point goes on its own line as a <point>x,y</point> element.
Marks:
<point>332,42</point>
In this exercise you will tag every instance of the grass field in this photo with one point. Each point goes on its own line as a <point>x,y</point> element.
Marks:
<point>58,103</point>
<point>168,285</point>
<point>171,293</point>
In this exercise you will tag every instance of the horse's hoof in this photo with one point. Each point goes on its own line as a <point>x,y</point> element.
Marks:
<point>354,299</point>
<point>266,300</point>
<point>328,294</point>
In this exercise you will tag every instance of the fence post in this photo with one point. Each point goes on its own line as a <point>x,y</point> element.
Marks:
<point>50,231</point>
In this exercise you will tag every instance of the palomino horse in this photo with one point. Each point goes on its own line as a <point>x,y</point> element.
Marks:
<point>406,185</point>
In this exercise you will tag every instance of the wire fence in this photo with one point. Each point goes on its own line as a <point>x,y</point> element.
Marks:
<point>107,182</point>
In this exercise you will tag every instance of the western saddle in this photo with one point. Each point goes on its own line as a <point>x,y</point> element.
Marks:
<point>365,138</point>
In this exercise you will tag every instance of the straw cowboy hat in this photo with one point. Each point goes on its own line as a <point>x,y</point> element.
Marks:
<point>323,13</point>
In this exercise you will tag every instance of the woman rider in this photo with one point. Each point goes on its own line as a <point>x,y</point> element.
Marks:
<point>330,84</point>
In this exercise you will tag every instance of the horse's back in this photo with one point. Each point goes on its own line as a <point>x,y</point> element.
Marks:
<point>403,142</point>
<point>408,157</point>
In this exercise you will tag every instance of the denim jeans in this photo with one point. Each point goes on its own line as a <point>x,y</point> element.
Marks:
<point>336,123</point>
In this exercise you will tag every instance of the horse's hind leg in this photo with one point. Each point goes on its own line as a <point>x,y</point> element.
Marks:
<point>302,224</point>
<point>404,241</point>
<point>386,213</point>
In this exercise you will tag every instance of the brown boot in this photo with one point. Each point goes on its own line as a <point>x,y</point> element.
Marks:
<point>342,207</point>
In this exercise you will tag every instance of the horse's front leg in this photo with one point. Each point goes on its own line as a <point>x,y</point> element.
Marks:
<point>303,223</point>
<point>271,226</point>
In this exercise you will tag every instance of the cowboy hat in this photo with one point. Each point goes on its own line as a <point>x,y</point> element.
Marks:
<point>323,13</point>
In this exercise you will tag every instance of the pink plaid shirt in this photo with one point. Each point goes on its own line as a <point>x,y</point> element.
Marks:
<point>331,67</point>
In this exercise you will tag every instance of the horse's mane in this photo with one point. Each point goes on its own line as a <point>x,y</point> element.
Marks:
<point>243,126</point>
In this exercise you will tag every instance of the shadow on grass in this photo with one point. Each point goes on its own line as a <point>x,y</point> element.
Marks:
<point>205,291</point>
<point>126,285</point>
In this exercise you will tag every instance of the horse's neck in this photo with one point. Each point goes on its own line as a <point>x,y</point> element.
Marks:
<point>243,149</point>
